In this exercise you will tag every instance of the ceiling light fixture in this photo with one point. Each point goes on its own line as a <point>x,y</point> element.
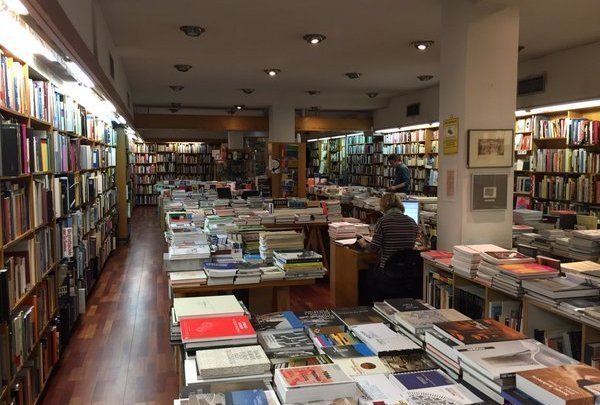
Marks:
<point>248,91</point>
<point>272,72</point>
<point>372,94</point>
<point>16,6</point>
<point>422,45</point>
<point>314,39</point>
<point>176,87</point>
<point>239,106</point>
<point>425,78</point>
<point>312,92</point>
<point>353,75</point>
<point>192,30</point>
<point>182,68</point>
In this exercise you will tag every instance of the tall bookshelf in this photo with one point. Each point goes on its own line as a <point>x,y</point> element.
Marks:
<point>155,162</point>
<point>365,160</point>
<point>58,199</point>
<point>328,158</point>
<point>418,150</point>
<point>557,161</point>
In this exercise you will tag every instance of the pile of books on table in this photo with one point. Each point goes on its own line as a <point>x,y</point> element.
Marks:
<point>281,241</point>
<point>332,209</point>
<point>284,216</point>
<point>523,216</point>
<point>341,230</point>
<point>220,273</point>
<point>585,245</point>
<point>214,224</point>
<point>553,290</point>
<point>271,273</point>
<point>187,278</point>
<point>248,274</point>
<point>299,264</point>
<point>466,258</point>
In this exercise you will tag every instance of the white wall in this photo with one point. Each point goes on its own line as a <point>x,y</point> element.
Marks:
<point>571,75</point>
<point>88,19</point>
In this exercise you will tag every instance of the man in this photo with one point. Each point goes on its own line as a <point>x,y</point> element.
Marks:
<point>401,176</point>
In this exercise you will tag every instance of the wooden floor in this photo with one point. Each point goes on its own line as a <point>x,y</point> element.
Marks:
<point>120,352</point>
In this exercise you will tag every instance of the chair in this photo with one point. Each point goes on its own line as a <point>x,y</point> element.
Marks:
<point>402,277</point>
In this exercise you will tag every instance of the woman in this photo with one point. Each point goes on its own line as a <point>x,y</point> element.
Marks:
<point>394,235</point>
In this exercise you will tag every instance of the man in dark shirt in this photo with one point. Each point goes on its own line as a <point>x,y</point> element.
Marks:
<point>401,176</point>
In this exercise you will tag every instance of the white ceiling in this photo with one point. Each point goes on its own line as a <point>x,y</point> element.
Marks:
<point>244,37</point>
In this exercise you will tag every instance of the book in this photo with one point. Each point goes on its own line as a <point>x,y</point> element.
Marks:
<point>507,257</point>
<point>436,254</point>
<point>218,305</point>
<point>405,362</point>
<point>381,339</point>
<point>528,270</point>
<point>379,388</point>
<point>297,257</point>
<point>301,361</point>
<point>246,397</point>
<point>406,304</point>
<point>362,365</point>
<point>477,331</point>
<point>347,351</point>
<point>276,320</point>
<point>357,316</point>
<point>322,317</point>
<point>322,382</point>
<point>576,384</point>
<point>586,267</point>
<point>232,361</point>
<point>284,340</point>
<point>216,328</point>
<point>417,322</point>
<point>432,386</point>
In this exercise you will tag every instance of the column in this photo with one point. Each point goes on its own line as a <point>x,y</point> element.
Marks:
<point>282,123</point>
<point>478,83</point>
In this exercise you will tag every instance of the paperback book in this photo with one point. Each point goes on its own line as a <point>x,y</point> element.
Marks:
<point>477,331</point>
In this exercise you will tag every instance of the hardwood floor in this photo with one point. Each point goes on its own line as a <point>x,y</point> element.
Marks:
<point>119,352</point>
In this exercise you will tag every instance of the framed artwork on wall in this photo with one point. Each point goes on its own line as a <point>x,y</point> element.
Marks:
<point>490,148</point>
<point>489,192</point>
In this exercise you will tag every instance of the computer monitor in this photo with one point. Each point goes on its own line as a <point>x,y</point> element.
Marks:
<point>224,192</point>
<point>411,208</point>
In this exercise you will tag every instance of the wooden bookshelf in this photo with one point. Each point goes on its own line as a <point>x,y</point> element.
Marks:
<point>63,150</point>
<point>557,161</point>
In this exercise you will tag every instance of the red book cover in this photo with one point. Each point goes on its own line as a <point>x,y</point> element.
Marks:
<point>436,254</point>
<point>521,269</point>
<point>217,328</point>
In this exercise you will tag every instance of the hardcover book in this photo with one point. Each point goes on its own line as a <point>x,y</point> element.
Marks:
<point>577,384</point>
<point>217,305</point>
<point>478,331</point>
<point>216,328</point>
<point>357,316</point>
<point>276,320</point>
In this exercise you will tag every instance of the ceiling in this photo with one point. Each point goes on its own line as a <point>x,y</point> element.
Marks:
<point>245,37</point>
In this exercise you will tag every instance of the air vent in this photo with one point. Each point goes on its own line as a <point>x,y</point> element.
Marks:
<point>531,85</point>
<point>413,109</point>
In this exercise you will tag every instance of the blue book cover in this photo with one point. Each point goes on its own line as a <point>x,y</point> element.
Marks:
<point>248,397</point>
<point>424,379</point>
<point>220,266</point>
<point>348,351</point>
<point>516,397</point>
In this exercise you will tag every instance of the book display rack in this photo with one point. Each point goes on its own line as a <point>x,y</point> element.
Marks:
<point>58,201</point>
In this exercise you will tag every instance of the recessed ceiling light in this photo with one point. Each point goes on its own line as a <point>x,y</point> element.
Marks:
<point>422,45</point>
<point>175,105</point>
<point>372,94</point>
<point>313,92</point>
<point>272,72</point>
<point>314,39</point>
<point>176,87</point>
<point>239,106</point>
<point>353,75</point>
<point>182,68</point>
<point>173,110</point>
<point>192,30</point>
<point>248,91</point>
<point>424,78</point>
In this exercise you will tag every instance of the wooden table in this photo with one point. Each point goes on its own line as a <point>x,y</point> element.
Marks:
<point>263,297</point>
<point>346,263</point>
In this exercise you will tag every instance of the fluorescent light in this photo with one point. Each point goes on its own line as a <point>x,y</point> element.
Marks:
<point>420,126</point>
<point>338,137</point>
<point>387,130</point>
<point>16,7</point>
<point>356,134</point>
<point>312,140</point>
<point>121,120</point>
<point>79,74</point>
<point>20,40</point>
<point>520,113</point>
<point>567,106</point>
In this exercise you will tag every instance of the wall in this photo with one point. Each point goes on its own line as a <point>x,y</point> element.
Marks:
<point>88,19</point>
<point>571,75</point>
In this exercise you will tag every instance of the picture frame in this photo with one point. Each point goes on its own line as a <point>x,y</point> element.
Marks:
<point>489,192</point>
<point>490,148</point>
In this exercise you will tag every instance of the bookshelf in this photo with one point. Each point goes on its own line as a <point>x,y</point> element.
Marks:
<point>328,158</point>
<point>365,159</point>
<point>557,158</point>
<point>58,199</point>
<point>155,162</point>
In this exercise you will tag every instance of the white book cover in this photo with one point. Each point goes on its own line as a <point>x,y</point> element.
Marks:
<point>232,361</point>
<point>417,321</point>
<point>187,275</point>
<point>218,305</point>
<point>380,338</point>
<point>500,359</point>
<point>362,366</point>
<point>379,388</point>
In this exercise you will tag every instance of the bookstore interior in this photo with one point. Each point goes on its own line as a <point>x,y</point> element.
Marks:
<point>479,145</point>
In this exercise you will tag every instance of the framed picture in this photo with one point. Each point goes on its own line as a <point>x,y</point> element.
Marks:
<point>489,192</point>
<point>490,148</point>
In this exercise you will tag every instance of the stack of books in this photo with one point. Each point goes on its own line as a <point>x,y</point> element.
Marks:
<point>416,323</point>
<point>302,264</point>
<point>432,386</point>
<point>248,274</point>
<point>466,258</point>
<point>187,278</point>
<point>281,241</point>
<point>220,273</point>
<point>333,210</point>
<point>271,273</point>
<point>324,382</point>
<point>560,247</point>
<point>341,230</point>
<point>216,331</point>
<point>585,245</point>
<point>588,271</point>
<point>284,216</point>
<point>552,290</point>
<point>522,216</point>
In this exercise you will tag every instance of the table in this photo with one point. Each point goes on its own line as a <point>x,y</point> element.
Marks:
<point>263,297</point>
<point>315,235</point>
<point>346,263</point>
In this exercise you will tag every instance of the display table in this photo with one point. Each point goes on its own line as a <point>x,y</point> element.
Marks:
<point>263,297</point>
<point>346,263</point>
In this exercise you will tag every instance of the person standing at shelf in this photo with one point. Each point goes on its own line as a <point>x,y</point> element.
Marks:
<point>401,175</point>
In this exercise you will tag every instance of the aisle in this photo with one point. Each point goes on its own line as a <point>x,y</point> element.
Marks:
<point>119,353</point>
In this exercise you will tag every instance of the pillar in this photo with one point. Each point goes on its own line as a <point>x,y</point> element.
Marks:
<point>478,87</point>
